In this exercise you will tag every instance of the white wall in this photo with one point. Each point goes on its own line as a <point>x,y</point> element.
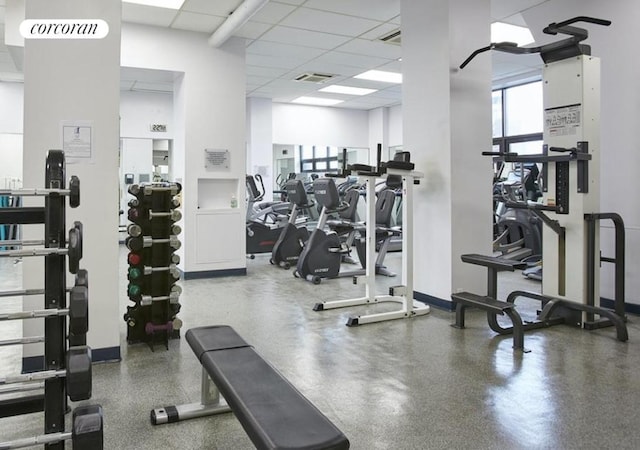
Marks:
<point>138,110</point>
<point>260,141</point>
<point>11,157</point>
<point>78,80</point>
<point>299,124</point>
<point>620,114</point>
<point>11,107</point>
<point>209,113</point>
<point>395,126</point>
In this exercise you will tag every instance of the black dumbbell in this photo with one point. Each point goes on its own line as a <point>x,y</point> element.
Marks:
<point>86,432</point>
<point>73,192</point>
<point>73,250</point>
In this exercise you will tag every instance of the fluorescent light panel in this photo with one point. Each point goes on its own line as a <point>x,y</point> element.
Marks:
<point>316,101</point>
<point>379,75</point>
<point>349,90</point>
<point>170,4</point>
<point>505,32</point>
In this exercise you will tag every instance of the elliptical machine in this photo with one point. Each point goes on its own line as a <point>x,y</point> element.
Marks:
<point>264,220</point>
<point>289,245</point>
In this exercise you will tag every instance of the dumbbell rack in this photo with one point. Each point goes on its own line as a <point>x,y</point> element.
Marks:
<point>152,271</point>
<point>54,400</point>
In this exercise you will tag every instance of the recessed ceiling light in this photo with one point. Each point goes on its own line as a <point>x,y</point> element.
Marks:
<point>338,89</point>
<point>379,75</point>
<point>504,32</point>
<point>170,4</point>
<point>316,101</point>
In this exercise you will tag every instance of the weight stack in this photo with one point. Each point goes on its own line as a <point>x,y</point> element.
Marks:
<point>152,272</point>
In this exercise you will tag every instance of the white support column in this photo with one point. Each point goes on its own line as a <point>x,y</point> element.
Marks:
<point>260,142</point>
<point>78,80</point>
<point>446,126</point>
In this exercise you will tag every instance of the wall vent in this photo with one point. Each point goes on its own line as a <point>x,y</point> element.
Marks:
<point>314,77</point>
<point>394,37</point>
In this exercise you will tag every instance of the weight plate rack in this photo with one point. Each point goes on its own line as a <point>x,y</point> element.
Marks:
<point>152,271</point>
<point>67,365</point>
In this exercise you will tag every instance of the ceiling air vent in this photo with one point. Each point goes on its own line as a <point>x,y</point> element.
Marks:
<point>314,77</point>
<point>392,38</point>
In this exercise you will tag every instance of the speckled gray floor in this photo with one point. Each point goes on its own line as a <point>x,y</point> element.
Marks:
<point>404,384</point>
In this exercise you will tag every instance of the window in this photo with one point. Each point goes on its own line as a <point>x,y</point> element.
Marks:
<point>318,158</point>
<point>517,119</point>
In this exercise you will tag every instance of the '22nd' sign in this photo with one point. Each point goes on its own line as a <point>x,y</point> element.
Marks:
<point>158,128</point>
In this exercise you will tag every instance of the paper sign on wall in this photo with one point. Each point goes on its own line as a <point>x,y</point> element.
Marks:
<point>77,141</point>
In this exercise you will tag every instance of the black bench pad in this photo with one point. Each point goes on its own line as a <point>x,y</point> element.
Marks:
<point>272,411</point>
<point>214,337</point>
<point>493,262</point>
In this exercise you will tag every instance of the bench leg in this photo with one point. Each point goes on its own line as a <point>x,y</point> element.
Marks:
<point>459,316</point>
<point>211,402</point>
<point>518,330</point>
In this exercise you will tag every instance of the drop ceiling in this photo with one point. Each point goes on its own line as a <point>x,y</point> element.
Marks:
<point>287,38</point>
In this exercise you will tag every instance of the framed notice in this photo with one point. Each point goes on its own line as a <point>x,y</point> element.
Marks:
<point>217,159</point>
<point>77,141</point>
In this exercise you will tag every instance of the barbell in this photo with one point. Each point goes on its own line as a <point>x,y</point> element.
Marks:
<point>77,374</point>
<point>73,250</point>
<point>73,192</point>
<point>86,432</point>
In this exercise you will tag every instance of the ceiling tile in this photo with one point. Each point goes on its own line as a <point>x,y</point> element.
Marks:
<point>264,71</point>
<point>372,48</point>
<point>339,70</point>
<point>272,13</point>
<point>147,15</point>
<point>283,50</point>
<point>383,29</point>
<point>328,22</point>
<point>252,30</point>
<point>197,22</point>
<point>274,61</point>
<point>213,7</point>
<point>393,66</point>
<point>351,60</point>
<point>381,10</point>
<point>290,2</point>
<point>503,8</point>
<point>305,38</point>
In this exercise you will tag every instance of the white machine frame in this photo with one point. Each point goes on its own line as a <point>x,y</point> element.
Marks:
<point>402,294</point>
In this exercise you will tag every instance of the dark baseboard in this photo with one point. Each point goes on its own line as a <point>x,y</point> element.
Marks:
<point>36,363</point>
<point>446,305</point>
<point>213,273</point>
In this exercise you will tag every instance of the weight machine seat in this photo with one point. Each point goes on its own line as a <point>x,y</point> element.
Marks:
<point>272,411</point>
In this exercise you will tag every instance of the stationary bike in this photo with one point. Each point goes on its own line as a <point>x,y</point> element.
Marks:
<point>288,247</point>
<point>322,254</point>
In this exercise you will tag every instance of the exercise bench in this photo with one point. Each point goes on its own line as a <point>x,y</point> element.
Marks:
<point>271,410</point>
<point>489,302</point>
